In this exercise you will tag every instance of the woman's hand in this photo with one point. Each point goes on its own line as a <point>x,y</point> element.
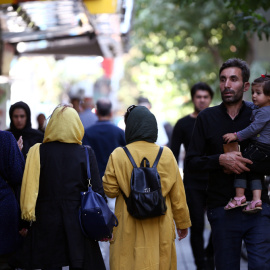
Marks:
<point>182,233</point>
<point>20,143</point>
<point>23,232</point>
<point>106,239</point>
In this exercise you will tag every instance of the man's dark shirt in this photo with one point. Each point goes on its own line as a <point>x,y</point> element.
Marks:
<point>104,137</point>
<point>207,145</point>
<point>181,135</point>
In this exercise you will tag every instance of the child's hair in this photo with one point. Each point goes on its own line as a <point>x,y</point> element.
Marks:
<point>264,80</point>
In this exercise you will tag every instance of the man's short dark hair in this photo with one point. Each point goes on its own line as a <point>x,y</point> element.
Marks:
<point>201,86</point>
<point>239,63</point>
<point>104,107</point>
<point>143,100</point>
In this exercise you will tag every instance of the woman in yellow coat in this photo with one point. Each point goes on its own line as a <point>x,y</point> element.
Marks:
<point>146,244</point>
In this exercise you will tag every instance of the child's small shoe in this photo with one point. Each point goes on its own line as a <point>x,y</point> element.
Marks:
<point>239,201</point>
<point>253,207</point>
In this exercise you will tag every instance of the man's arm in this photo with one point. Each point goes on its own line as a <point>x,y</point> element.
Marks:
<point>196,159</point>
<point>177,140</point>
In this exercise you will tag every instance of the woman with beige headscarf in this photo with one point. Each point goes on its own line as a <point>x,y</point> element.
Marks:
<point>55,174</point>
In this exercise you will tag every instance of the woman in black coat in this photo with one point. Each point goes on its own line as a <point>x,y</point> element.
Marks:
<point>11,172</point>
<point>54,176</point>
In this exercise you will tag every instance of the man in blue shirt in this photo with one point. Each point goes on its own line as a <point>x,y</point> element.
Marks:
<point>104,136</point>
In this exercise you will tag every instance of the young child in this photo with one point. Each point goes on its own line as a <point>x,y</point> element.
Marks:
<point>258,149</point>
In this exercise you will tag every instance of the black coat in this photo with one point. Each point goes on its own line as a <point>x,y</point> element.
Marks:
<point>55,238</point>
<point>29,135</point>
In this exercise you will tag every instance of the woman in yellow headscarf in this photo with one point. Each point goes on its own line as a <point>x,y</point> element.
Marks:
<point>54,176</point>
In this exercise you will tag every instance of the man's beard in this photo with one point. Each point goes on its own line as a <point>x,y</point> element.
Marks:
<point>232,99</point>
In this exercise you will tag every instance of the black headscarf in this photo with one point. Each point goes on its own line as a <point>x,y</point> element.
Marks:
<point>30,136</point>
<point>25,107</point>
<point>141,125</point>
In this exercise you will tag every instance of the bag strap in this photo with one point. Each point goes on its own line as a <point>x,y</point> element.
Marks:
<point>133,162</point>
<point>134,165</point>
<point>88,166</point>
<point>130,157</point>
<point>145,162</point>
<point>158,157</point>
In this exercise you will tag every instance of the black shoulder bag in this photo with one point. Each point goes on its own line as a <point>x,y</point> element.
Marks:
<point>96,218</point>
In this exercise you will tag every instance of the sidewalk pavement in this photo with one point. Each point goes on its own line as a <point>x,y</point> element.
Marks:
<point>185,260</point>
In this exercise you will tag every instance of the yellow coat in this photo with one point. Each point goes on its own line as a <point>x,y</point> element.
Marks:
<point>145,244</point>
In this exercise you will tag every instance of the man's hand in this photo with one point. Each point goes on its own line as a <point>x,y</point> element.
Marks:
<point>182,233</point>
<point>20,143</point>
<point>233,162</point>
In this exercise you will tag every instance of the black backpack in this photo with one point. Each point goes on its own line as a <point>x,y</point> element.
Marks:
<point>145,199</point>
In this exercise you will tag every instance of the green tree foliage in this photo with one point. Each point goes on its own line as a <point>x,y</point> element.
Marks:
<point>250,14</point>
<point>177,43</point>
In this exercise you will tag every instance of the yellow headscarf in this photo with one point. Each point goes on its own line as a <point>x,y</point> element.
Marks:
<point>64,126</point>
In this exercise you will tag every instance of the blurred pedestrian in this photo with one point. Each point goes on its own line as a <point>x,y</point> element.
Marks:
<point>162,138</point>
<point>41,119</point>
<point>169,130</point>
<point>11,172</point>
<point>55,175</point>
<point>20,125</point>
<point>87,117</point>
<point>145,243</point>
<point>77,104</point>
<point>104,137</point>
<point>195,183</point>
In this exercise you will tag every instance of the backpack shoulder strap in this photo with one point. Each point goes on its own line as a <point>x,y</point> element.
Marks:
<point>158,157</point>
<point>130,157</point>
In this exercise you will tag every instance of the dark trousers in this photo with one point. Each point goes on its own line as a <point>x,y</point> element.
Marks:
<point>196,200</point>
<point>259,153</point>
<point>4,262</point>
<point>229,228</point>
